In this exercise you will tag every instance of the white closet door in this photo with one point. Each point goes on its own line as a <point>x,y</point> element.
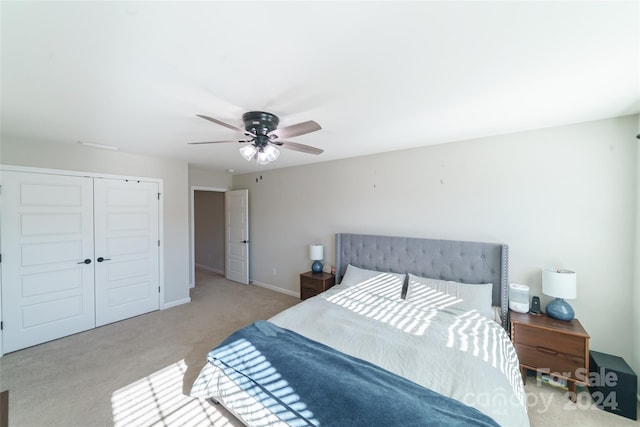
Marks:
<point>47,234</point>
<point>126,249</point>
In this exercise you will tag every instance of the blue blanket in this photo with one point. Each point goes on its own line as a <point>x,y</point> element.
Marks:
<point>307,383</point>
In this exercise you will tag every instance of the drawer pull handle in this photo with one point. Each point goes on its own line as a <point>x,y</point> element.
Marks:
<point>546,350</point>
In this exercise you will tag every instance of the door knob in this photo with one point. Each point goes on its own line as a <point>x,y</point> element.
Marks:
<point>103,259</point>
<point>86,261</point>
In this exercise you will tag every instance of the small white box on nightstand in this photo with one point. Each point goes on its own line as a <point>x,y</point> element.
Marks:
<point>519,297</point>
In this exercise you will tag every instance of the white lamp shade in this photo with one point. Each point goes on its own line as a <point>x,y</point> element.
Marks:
<point>272,152</point>
<point>248,151</point>
<point>316,252</point>
<point>262,158</point>
<point>559,283</point>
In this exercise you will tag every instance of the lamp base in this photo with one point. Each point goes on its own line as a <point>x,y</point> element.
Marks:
<point>316,267</point>
<point>560,309</point>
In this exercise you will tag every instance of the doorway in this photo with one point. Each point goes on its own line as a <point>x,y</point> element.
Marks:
<point>207,230</point>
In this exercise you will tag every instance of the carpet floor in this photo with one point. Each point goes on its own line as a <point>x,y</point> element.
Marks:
<point>138,372</point>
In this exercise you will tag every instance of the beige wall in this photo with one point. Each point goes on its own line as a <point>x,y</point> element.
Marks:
<point>209,223</point>
<point>207,178</point>
<point>174,174</point>
<point>560,197</point>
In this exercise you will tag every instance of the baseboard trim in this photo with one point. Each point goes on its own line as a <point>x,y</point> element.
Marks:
<point>277,289</point>
<point>211,269</point>
<point>175,303</point>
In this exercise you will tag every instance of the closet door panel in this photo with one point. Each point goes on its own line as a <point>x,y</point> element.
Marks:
<point>47,234</point>
<point>126,239</point>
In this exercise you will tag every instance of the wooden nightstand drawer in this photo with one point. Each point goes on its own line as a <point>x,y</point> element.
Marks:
<point>311,284</point>
<point>552,361</point>
<point>550,341</point>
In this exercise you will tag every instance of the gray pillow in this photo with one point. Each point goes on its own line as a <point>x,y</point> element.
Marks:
<point>442,293</point>
<point>380,282</point>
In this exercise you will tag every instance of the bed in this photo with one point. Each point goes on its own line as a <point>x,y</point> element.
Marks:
<point>413,334</point>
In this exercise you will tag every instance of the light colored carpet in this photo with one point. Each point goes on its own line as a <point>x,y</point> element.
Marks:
<point>138,371</point>
<point>548,406</point>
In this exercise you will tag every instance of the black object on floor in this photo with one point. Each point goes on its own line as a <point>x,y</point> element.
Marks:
<point>613,384</point>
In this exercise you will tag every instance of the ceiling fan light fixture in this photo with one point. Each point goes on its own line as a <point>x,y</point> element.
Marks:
<point>272,153</point>
<point>263,158</point>
<point>248,151</point>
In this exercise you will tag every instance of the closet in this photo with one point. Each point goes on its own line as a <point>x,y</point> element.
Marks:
<point>77,252</point>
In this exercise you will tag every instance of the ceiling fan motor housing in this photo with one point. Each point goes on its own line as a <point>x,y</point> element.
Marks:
<point>259,122</point>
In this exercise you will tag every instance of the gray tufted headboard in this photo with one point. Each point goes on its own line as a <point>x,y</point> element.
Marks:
<point>465,262</point>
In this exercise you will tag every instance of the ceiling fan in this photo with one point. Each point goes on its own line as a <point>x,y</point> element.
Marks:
<point>265,137</point>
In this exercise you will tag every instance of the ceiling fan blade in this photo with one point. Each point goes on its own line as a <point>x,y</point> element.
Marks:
<point>227,125</point>
<point>214,142</point>
<point>295,130</point>
<point>298,147</point>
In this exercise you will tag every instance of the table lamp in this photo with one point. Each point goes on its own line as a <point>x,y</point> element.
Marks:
<point>560,284</point>
<point>316,253</point>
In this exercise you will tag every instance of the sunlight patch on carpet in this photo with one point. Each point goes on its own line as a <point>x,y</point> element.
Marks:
<point>158,400</point>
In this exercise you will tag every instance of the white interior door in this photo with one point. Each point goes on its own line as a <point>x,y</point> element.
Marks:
<point>237,235</point>
<point>47,234</point>
<point>126,249</point>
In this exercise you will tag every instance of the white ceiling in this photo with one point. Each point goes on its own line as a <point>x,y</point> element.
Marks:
<point>378,76</point>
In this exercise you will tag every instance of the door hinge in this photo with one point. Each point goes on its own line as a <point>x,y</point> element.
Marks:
<point>1,326</point>
<point>0,257</point>
<point>158,196</point>
<point>158,243</point>
<point>158,289</point>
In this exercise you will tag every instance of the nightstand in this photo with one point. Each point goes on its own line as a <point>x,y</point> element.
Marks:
<point>311,284</point>
<point>551,346</point>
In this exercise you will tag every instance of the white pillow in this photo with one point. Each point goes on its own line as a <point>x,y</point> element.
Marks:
<point>442,293</point>
<point>379,282</point>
